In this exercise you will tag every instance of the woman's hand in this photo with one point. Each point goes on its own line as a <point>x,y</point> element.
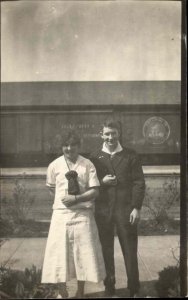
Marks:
<point>69,200</point>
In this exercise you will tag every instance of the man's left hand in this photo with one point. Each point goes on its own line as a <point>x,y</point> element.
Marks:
<point>134,216</point>
<point>69,200</point>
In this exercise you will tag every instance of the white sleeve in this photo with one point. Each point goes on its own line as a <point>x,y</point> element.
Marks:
<point>92,176</point>
<point>50,178</point>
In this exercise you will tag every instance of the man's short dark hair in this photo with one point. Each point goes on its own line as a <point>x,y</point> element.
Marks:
<point>70,137</point>
<point>111,123</point>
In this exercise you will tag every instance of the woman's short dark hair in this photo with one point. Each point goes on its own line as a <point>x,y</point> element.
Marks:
<point>71,137</point>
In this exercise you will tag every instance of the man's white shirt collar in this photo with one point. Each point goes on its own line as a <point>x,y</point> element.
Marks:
<point>118,149</point>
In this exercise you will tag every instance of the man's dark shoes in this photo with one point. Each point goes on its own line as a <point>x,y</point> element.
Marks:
<point>133,294</point>
<point>110,291</point>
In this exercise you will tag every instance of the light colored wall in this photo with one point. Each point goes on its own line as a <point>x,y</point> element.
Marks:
<point>155,177</point>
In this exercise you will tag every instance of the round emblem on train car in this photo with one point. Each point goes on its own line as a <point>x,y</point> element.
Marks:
<point>156,130</point>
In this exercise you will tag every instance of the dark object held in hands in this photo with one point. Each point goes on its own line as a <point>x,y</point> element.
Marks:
<point>73,187</point>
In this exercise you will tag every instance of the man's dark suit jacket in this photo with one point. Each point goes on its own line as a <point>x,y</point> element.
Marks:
<point>130,188</point>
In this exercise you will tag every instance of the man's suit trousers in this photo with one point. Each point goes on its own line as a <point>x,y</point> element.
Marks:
<point>128,238</point>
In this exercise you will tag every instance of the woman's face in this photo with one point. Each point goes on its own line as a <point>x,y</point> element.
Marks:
<point>71,151</point>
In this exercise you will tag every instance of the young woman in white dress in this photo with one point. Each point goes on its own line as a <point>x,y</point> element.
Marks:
<point>73,248</point>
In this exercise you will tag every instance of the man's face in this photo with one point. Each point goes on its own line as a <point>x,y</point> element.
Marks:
<point>111,137</point>
<point>71,151</point>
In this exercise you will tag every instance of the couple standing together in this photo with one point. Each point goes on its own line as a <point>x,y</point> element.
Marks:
<point>109,186</point>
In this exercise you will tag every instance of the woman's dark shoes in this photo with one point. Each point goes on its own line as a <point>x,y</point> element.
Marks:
<point>133,294</point>
<point>63,294</point>
<point>79,295</point>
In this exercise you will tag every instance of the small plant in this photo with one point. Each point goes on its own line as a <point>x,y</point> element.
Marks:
<point>16,209</point>
<point>168,284</point>
<point>159,204</point>
<point>24,284</point>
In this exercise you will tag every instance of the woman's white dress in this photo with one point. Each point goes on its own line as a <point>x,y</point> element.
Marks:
<point>73,248</point>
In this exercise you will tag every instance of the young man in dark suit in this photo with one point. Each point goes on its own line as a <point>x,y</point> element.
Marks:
<point>121,196</point>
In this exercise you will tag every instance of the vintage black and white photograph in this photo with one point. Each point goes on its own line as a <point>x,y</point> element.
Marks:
<point>92,103</point>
